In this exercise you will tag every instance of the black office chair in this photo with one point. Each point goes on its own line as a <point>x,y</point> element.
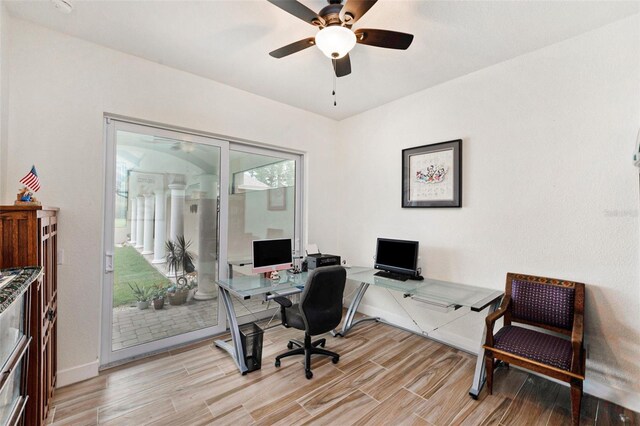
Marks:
<point>319,311</point>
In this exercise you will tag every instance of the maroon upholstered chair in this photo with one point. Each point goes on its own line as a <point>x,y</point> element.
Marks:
<point>550,304</point>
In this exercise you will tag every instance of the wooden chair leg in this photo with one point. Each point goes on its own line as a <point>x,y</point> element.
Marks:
<point>576,401</point>
<point>488,361</point>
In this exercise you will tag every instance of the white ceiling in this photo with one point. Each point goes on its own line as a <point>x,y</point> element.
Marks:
<point>228,41</point>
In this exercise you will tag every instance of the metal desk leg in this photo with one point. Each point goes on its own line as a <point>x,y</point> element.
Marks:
<point>479,376</point>
<point>236,351</point>
<point>353,307</point>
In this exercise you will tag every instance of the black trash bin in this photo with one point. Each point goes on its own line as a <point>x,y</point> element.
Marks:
<point>251,340</point>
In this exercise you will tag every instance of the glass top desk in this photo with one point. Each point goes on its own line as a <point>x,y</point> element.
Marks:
<point>435,294</point>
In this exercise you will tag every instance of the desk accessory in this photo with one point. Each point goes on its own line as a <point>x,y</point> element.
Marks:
<point>315,259</point>
<point>31,184</point>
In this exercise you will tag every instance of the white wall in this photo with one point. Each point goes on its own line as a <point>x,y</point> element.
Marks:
<point>4,96</point>
<point>60,88</point>
<point>548,186</point>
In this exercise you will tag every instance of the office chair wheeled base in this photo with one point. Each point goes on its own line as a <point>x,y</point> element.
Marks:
<point>307,349</point>
<point>299,344</point>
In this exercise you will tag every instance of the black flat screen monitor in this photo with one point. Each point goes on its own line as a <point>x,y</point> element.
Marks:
<point>397,256</point>
<point>272,255</point>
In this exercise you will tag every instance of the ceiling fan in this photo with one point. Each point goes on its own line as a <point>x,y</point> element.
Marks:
<point>336,38</point>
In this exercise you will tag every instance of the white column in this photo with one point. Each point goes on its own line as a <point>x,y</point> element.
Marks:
<point>207,221</point>
<point>148,224</point>
<point>133,202</point>
<point>140,222</point>
<point>177,210</point>
<point>160,231</point>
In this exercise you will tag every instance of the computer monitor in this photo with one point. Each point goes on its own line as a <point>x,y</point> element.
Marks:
<point>272,255</point>
<point>397,256</point>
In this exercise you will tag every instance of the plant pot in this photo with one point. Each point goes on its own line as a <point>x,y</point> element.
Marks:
<point>142,305</point>
<point>178,298</point>
<point>158,303</point>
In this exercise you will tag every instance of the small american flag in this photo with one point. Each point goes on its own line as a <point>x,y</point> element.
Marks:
<point>31,180</point>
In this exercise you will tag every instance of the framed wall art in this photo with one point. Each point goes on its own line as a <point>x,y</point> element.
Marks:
<point>432,175</point>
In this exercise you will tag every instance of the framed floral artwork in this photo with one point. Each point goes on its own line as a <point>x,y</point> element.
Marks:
<point>432,175</point>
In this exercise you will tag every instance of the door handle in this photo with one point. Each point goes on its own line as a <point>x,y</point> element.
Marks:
<point>108,261</point>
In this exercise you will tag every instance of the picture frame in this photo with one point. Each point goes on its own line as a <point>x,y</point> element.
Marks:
<point>277,198</point>
<point>432,175</point>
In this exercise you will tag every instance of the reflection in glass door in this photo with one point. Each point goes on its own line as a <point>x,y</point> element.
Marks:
<point>162,246</point>
<point>264,203</point>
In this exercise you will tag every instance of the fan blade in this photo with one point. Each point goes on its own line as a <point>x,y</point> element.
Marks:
<point>384,38</point>
<point>293,47</point>
<point>298,10</point>
<point>355,8</point>
<point>342,66</point>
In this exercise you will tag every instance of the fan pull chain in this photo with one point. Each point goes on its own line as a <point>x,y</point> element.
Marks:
<point>333,93</point>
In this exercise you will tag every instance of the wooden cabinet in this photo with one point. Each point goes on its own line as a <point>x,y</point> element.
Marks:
<point>28,237</point>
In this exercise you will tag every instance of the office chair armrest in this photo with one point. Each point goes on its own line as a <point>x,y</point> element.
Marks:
<point>283,301</point>
<point>284,304</point>
<point>577,337</point>
<point>493,317</point>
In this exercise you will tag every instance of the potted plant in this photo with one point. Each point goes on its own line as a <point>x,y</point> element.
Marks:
<point>142,295</point>
<point>179,260</point>
<point>157,298</point>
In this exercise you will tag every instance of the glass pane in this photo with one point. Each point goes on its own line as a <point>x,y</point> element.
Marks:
<point>11,330</point>
<point>261,206</point>
<point>166,227</point>
<point>11,393</point>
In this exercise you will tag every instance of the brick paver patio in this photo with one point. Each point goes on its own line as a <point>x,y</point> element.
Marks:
<point>132,326</point>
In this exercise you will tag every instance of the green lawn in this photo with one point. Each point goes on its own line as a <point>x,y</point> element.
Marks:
<point>131,267</point>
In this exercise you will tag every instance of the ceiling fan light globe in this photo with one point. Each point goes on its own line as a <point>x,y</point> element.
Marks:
<point>335,41</point>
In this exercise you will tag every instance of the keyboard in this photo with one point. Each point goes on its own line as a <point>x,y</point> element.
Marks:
<point>391,275</point>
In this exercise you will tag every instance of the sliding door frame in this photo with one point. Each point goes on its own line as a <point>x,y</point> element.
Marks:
<point>298,227</point>
<point>112,126</point>
<point>114,122</point>
<point>298,158</point>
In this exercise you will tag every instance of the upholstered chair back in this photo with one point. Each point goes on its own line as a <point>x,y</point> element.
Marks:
<point>542,302</point>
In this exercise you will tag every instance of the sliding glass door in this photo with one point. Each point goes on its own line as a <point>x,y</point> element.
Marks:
<point>264,203</point>
<point>181,210</point>
<point>162,245</point>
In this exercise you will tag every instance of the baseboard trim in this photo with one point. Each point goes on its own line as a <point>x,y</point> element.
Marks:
<point>77,374</point>
<point>624,398</point>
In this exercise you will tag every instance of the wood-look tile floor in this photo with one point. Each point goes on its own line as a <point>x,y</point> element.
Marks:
<point>385,376</point>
